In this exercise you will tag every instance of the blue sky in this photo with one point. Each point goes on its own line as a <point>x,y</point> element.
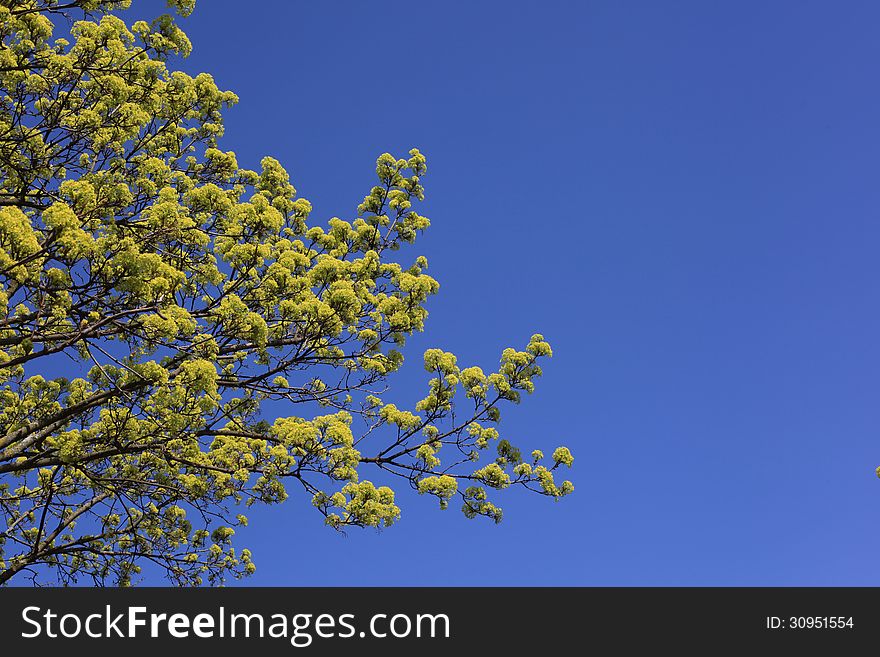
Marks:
<point>680,196</point>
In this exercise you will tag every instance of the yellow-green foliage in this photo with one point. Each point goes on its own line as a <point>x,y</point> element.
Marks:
<point>193,301</point>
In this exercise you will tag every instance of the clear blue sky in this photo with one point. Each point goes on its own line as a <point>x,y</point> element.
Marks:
<point>682,196</point>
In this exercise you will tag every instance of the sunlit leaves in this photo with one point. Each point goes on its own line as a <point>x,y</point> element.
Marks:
<point>221,348</point>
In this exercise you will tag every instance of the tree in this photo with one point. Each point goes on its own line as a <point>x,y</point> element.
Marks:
<point>181,293</point>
